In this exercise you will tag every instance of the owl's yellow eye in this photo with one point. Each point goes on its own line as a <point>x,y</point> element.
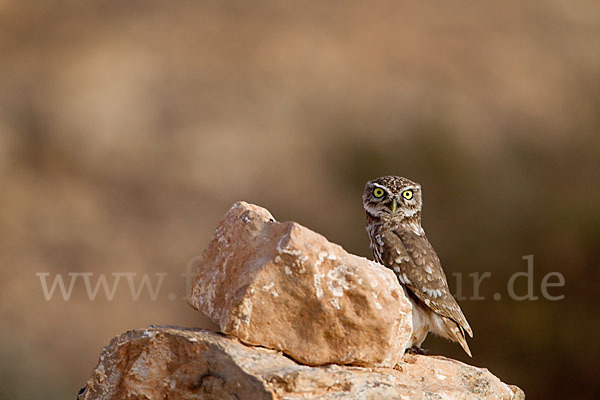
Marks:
<point>378,192</point>
<point>407,194</point>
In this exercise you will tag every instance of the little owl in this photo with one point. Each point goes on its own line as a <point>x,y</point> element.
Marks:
<point>393,207</point>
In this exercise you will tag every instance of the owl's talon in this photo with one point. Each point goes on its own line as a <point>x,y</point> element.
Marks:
<point>416,350</point>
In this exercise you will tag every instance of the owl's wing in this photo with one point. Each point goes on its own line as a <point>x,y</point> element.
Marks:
<point>418,267</point>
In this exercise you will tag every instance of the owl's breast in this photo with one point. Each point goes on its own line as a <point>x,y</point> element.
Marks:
<point>376,242</point>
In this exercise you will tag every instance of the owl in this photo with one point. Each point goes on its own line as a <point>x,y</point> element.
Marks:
<point>393,206</point>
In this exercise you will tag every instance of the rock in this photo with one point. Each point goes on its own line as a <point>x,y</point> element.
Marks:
<point>178,363</point>
<point>283,286</point>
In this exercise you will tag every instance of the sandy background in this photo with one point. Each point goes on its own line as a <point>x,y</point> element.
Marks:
<point>127,129</point>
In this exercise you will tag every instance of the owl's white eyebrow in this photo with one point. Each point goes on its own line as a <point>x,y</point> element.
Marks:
<point>381,187</point>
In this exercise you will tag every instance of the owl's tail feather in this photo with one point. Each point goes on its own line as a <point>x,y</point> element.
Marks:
<point>456,334</point>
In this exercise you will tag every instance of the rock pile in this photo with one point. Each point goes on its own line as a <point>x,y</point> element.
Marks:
<point>330,325</point>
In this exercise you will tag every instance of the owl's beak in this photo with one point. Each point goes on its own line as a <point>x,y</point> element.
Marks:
<point>394,206</point>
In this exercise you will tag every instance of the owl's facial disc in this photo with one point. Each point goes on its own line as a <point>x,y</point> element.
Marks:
<point>392,197</point>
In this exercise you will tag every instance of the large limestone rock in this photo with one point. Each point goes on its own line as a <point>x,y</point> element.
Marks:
<point>282,286</point>
<point>177,363</point>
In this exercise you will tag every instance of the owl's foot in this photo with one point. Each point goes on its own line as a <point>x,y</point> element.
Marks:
<point>416,350</point>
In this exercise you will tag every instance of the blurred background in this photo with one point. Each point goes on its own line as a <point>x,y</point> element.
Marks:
<point>127,129</point>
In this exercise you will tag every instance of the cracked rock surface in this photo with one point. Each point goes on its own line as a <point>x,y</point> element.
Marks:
<point>178,363</point>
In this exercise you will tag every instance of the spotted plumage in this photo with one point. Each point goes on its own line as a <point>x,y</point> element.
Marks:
<point>393,206</point>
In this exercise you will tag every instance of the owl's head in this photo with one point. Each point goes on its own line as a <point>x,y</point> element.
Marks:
<point>392,197</point>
